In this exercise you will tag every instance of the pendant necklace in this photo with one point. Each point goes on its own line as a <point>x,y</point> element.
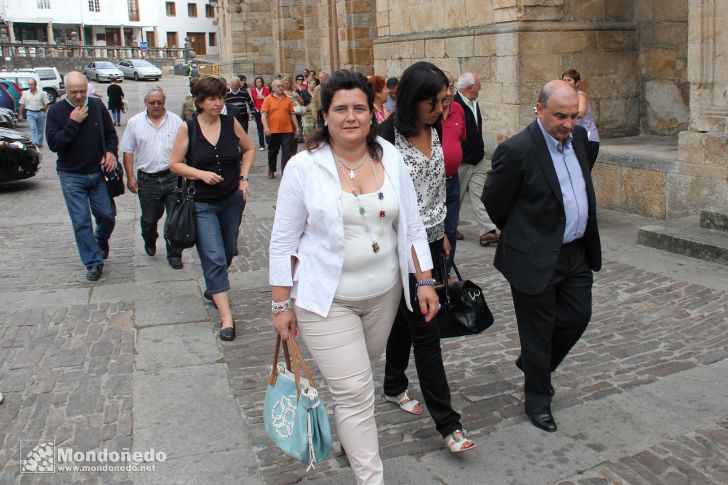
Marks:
<point>362,211</point>
<point>352,170</point>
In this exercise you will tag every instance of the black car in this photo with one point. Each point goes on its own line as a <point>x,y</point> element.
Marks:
<point>19,157</point>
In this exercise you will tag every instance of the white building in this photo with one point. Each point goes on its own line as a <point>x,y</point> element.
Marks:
<point>160,23</point>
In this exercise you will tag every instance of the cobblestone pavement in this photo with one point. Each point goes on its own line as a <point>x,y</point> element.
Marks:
<point>68,347</point>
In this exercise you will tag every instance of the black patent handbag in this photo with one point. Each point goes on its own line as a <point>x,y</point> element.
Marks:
<point>463,310</point>
<point>181,228</point>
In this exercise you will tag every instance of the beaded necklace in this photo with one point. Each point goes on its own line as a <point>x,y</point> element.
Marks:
<point>362,211</point>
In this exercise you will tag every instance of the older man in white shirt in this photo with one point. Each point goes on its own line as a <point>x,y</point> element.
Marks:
<point>35,104</point>
<point>146,144</point>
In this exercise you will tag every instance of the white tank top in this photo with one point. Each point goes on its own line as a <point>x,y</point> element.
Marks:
<point>367,273</point>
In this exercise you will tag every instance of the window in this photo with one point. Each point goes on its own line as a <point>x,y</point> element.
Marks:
<point>213,39</point>
<point>171,10</point>
<point>44,3</point>
<point>192,10</point>
<point>133,9</point>
<point>209,11</point>
<point>93,6</point>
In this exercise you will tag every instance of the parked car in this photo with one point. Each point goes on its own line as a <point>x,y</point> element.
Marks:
<point>14,91</point>
<point>6,99</point>
<point>8,118</point>
<point>19,157</point>
<point>139,69</point>
<point>20,78</point>
<point>102,71</point>
<point>51,82</point>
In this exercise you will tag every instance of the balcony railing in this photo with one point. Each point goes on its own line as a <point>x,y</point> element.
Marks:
<point>88,51</point>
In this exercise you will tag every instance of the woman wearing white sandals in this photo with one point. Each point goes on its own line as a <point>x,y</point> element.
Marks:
<point>415,130</point>
<point>346,236</point>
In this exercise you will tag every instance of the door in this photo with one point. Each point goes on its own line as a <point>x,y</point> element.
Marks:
<point>113,39</point>
<point>151,39</point>
<point>172,39</point>
<point>197,39</point>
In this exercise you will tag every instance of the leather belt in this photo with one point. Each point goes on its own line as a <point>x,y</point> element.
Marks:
<point>161,173</point>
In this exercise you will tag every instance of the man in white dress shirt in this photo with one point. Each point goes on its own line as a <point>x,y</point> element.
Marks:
<point>146,144</point>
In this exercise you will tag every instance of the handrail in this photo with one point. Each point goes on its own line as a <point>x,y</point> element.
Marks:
<point>89,51</point>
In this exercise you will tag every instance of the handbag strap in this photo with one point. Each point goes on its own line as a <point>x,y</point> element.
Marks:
<point>191,143</point>
<point>291,346</point>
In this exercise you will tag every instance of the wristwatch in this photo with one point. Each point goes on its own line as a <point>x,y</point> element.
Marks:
<point>244,178</point>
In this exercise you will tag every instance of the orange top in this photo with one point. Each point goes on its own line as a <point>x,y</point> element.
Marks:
<point>279,113</point>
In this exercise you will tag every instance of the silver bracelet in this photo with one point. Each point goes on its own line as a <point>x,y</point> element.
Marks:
<point>428,282</point>
<point>280,306</point>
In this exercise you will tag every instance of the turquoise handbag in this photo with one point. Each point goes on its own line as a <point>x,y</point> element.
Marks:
<point>293,414</point>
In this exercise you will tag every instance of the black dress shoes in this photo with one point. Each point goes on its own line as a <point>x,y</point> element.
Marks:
<point>228,334</point>
<point>175,262</point>
<point>544,421</point>
<point>150,247</point>
<point>94,273</point>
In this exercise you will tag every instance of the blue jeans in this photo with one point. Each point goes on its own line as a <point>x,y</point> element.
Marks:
<point>81,192</point>
<point>36,121</point>
<point>452,203</point>
<point>259,124</point>
<point>218,223</point>
<point>116,115</point>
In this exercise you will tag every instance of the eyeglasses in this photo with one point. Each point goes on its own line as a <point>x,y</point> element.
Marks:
<point>156,103</point>
<point>299,79</point>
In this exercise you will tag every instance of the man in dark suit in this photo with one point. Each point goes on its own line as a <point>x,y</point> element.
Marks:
<point>540,194</point>
<point>474,168</point>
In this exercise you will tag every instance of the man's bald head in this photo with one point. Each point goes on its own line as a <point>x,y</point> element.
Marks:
<point>559,88</point>
<point>557,109</point>
<point>235,83</point>
<point>76,87</point>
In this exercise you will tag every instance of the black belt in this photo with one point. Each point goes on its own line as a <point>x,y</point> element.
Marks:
<point>161,173</point>
<point>33,110</point>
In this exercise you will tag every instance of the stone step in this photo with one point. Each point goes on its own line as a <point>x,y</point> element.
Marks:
<point>713,219</point>
<point>684,236</point>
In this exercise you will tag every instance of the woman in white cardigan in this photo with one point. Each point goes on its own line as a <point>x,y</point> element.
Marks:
<point>346,236</point>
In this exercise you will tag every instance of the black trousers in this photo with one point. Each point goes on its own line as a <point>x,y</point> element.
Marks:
<point>279,142</point>
<point>156,193</point>
<point>550,323</point>
<point>410,330</point>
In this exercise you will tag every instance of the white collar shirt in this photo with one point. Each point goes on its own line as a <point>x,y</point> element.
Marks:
<point>34,101</point>
<point>150,145</point>
<point>473,105</point>
<point>309,227</point>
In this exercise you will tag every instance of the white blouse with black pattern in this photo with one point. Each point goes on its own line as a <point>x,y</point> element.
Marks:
<point>428,176</point>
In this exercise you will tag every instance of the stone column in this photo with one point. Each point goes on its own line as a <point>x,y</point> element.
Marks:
<point>123,39</point>
<point>702,178</point>
<point>49,33</point>
<point>11,32</point>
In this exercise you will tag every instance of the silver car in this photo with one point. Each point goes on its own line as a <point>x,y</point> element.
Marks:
<point>102,71</point>
<point>139,69</point>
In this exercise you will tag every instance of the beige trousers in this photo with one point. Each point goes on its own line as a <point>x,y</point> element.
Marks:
<point>343,346</point>
<point>472,180</point>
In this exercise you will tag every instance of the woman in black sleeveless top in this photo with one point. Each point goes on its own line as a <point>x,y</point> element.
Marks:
<point>222,186</point>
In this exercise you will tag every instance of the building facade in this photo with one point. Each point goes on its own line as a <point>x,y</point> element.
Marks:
<point>113,23</point>
<point>651,67</point>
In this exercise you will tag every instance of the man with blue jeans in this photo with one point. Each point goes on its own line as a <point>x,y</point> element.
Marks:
<point>34,102</point>
<point>81,132</point>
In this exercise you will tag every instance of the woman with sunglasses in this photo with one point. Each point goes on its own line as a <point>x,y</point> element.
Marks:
<point>415,129</point>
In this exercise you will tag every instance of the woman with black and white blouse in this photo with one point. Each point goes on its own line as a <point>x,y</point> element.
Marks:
<point>415,131</point>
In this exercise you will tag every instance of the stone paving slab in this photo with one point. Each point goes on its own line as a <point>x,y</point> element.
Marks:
<point>187,344</point>
<point>139,291</point>
<point>163,311</point>
<point>184,411</point>
<point>49,297</point>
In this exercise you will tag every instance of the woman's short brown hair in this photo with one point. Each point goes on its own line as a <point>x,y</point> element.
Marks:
<point>573,74</point>
<point>209,87</point>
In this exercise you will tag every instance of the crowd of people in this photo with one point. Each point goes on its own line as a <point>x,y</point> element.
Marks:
<point>366,218</point>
